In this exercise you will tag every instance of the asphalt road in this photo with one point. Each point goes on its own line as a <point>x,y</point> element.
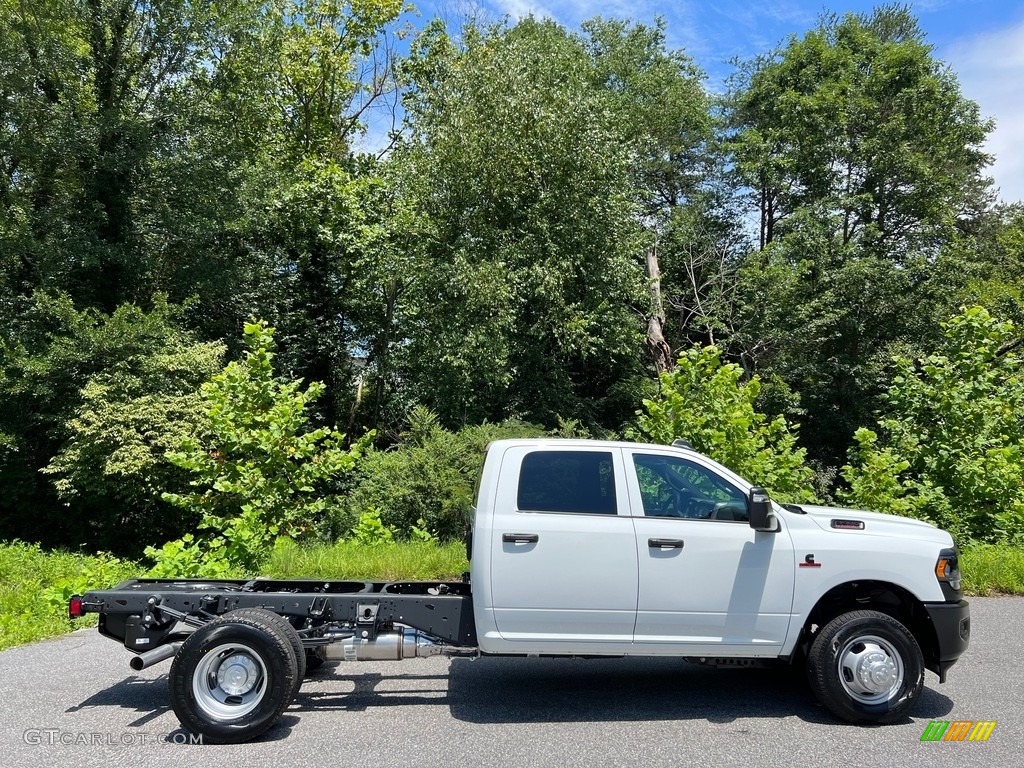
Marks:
<point>74,702</point>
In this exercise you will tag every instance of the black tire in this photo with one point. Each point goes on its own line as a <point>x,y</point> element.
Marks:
<point>865,666</point>
<point>210,679</point>
<point>285,627</point>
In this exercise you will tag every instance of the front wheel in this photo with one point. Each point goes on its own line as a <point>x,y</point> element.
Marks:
<point>865,666</point>
<point>232,678</point>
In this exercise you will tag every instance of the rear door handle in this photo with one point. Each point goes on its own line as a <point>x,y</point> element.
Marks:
<point>520,538</point>
<point>665,543</point>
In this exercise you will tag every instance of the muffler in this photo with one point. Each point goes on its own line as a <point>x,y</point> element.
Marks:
<point>404,643</point>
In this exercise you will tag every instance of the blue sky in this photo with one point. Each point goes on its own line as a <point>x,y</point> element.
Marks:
<point>982,40</point>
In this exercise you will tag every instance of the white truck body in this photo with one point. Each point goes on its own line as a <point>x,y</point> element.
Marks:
<point>593,584</point>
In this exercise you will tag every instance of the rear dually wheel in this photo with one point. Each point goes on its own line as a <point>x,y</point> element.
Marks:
<point>232,678</point>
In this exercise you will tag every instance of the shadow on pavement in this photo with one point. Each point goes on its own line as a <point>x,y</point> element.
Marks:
<point>509,690</point>
<point>146,695</point>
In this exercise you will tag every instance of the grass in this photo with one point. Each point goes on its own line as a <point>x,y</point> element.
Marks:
<point>35,585</point>
<point>992,569</point>
<point>393,561</point>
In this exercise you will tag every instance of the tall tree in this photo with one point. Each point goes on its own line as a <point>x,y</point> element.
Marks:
<point>858,125</point>
<point>533,260</point>
<point>92,102</point>
<point>314,209</point>
<point>662,116</point>
<point>864,159</point>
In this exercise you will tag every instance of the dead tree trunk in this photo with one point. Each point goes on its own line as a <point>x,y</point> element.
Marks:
<point>661,352</point>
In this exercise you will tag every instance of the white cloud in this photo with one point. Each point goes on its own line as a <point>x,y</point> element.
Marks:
<point>991,71</point>
<point>518,9</point>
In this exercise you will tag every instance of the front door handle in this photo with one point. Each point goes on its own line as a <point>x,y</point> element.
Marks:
<point>520,538</point>
<point>665,543</point>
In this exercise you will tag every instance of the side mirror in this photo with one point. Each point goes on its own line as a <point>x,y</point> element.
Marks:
<point>760,507</point>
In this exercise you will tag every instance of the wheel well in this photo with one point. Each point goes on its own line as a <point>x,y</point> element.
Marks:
<point>878,596</point>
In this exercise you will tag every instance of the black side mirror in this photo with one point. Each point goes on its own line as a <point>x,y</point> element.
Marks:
<point>760,508</point>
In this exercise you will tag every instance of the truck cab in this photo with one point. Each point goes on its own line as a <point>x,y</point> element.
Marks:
<point>589,547</point>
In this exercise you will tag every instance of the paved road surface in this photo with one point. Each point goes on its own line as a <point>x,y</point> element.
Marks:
<point>508,712</point>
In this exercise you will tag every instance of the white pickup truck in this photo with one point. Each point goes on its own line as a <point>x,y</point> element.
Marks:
<point>583,548</point>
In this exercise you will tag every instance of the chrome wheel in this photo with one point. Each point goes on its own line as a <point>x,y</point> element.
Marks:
<point>866,666</point>
<point>229,682</point>
<point>870,669</point>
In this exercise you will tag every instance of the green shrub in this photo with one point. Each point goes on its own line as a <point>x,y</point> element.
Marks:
<point>426,482</point>
<point>258,473</point>
<point>951,449</point>
<point>371,530</point>
<point>35,587</point>
<point>705,402</point>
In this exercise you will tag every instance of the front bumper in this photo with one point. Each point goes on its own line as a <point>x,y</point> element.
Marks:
<point>952,624</point>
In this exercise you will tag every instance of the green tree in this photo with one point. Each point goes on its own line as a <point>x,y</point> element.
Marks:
<point>99,99</point>
<point>666,126</point>
<point>952,446</point>
<point>113,465</point>
<point>315,218</point>
<point>530,259</point>
<point>863,159</point>
<point>706,402</point>
<point>860,124</point>
<point>258,471</point>
<point>85,396</point>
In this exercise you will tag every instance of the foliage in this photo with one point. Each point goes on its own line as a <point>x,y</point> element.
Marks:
<point>953,447</point>
<point>192,558</point>
<point>100,571</point>
<point>35,585</point>
<point>501,225</point>
<point>258,473</point>
<point>315,222</point>
<point>704,402</point>
<point>992,569</point>
<point>530,256</point>
<point>420,532</point>
<point>863,162</point>
<point>990,264</point>
<point>424,485</point>
<point>91,401</point>
<point>859,123</point>
<point>369,529</point>
<point>349,559</point>
<point>129,417</point>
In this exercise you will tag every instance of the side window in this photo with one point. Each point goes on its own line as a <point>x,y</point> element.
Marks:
<point>674,487</point>
<point>567,481</point>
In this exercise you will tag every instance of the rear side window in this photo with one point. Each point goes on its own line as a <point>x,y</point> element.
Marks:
<point>580,482</point>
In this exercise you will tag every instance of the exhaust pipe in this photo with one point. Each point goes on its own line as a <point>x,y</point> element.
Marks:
<point>405,643</point>
<point>154,656</point>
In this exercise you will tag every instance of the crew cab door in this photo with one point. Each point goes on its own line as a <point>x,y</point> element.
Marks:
<point>563,554</point>
<point>709,583</point>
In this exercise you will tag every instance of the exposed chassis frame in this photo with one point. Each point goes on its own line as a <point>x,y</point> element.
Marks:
<point>142,613</point>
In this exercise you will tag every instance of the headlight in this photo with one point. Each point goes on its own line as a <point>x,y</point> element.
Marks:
<point>947,569</point>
